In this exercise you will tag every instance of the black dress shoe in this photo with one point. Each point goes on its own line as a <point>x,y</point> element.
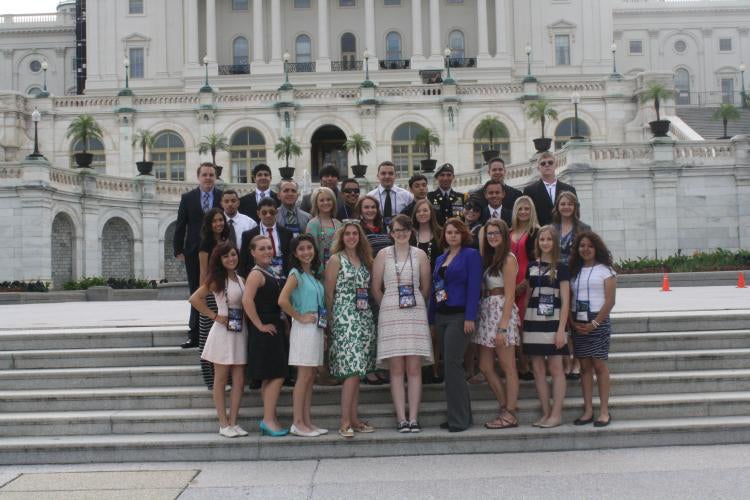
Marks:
<point>456,429</point>
<point>583,421</point>
<point>189,344</point>
<point>445,425</point>
<point>599,423</point>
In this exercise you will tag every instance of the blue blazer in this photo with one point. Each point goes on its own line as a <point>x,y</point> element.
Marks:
<point>463,282</point>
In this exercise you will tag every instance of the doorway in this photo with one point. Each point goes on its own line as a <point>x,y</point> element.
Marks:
<point>328,148</point>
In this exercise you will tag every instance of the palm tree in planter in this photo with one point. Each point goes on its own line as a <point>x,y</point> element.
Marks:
<point>285,148</point>
<point>84,128</point>
<point>657,92</point>
<point>539,111</point>
<point>212,143</point>
<point>359,145</point>
<point>427,138</point>
<point>144,140</point>
<point>725,113</point>
<point>490,128</point>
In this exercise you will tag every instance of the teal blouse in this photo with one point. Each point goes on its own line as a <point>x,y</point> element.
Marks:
<point>309,294</point>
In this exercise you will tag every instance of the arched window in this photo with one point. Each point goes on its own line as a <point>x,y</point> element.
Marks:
<point>393,46</point>
<point>682,86</point>
<point>500,143</point>
<point>34,91</point>
<point>168,156</point>
<point>248,148</point>
<point>348,51</point>
<point>456,44</point>
<point>93,146</point>
<point>405,153</point>
<point>566,129</point>
<point>303,49</point>
<point>240,51</point>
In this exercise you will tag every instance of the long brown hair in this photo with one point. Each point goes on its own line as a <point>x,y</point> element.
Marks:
<point>435,228</point>
<point>364,251</point>
<point>601,253</point>
<point>217,273</point>
<point>494,260</point>
<point>549,228</point>
<point>557,218</point>
<point>378,221</point>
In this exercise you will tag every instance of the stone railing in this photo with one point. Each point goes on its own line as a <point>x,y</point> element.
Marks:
<point>84,102</point>
<point>490,90</point>
<point>410,91</point>
<point>348,94</point>
<point>604,152</point>
<point>570,87</point>
<point>264,96</point>
<point>64,178</point>
<point>162,100</point>
<point>11,20</point>
<point>707,150</point>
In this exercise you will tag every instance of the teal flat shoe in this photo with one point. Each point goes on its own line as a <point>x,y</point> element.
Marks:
<point>267,431</point>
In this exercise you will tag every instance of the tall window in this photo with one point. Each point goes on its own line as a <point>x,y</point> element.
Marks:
<point>562,50</point>
<point>393,46</point>
<point>240,4</point>
<point>301,4</point>
<point>135,7</point>
<point>303,49</point>
<point>348,48</point>
<point>456,44</point>
<point>136,62</point>
<point>727,90</point>
<point>93,146</point>
<point>636,47</point>
<point>240,51</point>
<point>566,129</point>
<point>500,143</point>
<point>248,148</point>
<point>682,86</point>
<point>405,153</point>
<point>391,2</point>
<point>347,3</point>
<point>168,156</point>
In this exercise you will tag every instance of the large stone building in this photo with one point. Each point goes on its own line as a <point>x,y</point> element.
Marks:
<point>501,54</point>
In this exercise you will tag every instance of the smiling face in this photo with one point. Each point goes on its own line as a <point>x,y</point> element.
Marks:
<point>369,210</point>
<point>423,213</point>
<point>566,207</point>
<point>400,234</point>
<point>263,180</point>
<point>387,175</point>
<point>288,194</point>
<point>351,193</point>
<point>419,189</point>
<point>267,216</point>
<point>230,260</point>
<point>546,242</point>
<point>496,170</point>
<point>586,251</point>
<point>324,203</point>
<point>230,203</point>
<point>351,237</point>
<point>445,180</point>
<point>217,224</point>
<point>524,212</point>
<point>263,252</point>
<point>305,252</point>
<point>494,236</point>
<point>206,178</point>
<point>494,195</point>
<point>471,215</point>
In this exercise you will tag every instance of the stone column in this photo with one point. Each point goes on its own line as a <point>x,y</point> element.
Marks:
<point>211,30</point>
<point>742,176</point>
<point>436,44</point>
<point>276,30</point>
<point>483,50</point>
<point>191,32</point>
<point>665,176</point>
<point>417,52</point>
<point>503,30</point>
<point>370,43</point>
<point>259,56</point>
<point>35,255</point>
<point>323,63</point>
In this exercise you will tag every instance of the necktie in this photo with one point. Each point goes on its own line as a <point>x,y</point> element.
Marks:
<point>549,191</point>
<point>494,214</point>
<point>269,233</point>
<point>291,217</point>
<point>232,232</point>
<point>387,209</point>
<point>205,205</point>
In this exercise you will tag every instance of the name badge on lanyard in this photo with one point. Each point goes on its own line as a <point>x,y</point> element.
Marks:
<point>441,294</point>
<point>277,266</point>
<point>235,318</point>
<point>583,306</point>
<point>322,317</point>
<point>363,299</point>
<point>294,228</point>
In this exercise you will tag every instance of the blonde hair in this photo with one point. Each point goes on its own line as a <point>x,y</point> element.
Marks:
<point>533,223</point>
<point>549,228</point>
<point>314,200</point>
<point>364,251</point>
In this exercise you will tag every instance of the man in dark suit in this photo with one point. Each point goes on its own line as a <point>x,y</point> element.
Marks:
<point>187,236</point>
<point>329,177</point>
<point>282,240</point>
<point>447,202</point>
<point>496,171</point>
<point>418,185</point>
<point>545,191</point>
<point>494,194</point>
<point>262,179</point>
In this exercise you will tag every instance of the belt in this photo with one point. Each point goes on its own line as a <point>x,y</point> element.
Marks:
<point>495,291</point>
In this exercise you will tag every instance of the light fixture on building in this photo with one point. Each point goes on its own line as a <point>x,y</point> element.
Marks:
<point>743,94</point>
<point>126,91</point>
<point>36,117</point>
<point>44,92</point>
<point>447,56</point>
<point>286,85</point>
<point>575,99</point>
<point>529,78</point>
<point>206,87</point>
<point>367,83</point>
<point>615,74</point>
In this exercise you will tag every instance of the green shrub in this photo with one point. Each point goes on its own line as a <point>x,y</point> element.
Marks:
<point>22,286</point>
<point>718,260</point>
<point>116,283</point>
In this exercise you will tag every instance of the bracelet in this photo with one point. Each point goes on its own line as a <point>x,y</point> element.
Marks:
<point>595,323</point>
<point>502,330</point>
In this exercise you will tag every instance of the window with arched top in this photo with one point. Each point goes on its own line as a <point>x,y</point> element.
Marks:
<point>405,153</point>
<point>566,130</point>
<point>303,49</point>
<point>393,46</point>
<point>682,86</point>
<point>168,155</point>
<point>93,146</point>
<point>500,143</point>
<point>240,51</point>
<point>456,43</point>
<point>247,148</point>
<point>348,49</point>
<point>34,91</point>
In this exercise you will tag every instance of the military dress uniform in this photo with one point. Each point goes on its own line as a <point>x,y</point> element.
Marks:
<point>447,205</point>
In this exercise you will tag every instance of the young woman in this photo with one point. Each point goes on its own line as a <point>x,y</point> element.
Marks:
<point>498,330</point>
<point>473,218</point>
<point>401,285</point>
<point>323,225</point>
<point>303,299</point>
<point>372,224</point>
<point>522,236</point>
<point>267,351</point>
<point>454,302</point>
<point>545,323</point>
<point>215,230</point>
<point>593,285</point>
<point>226,346</point>
<point>352,341</point>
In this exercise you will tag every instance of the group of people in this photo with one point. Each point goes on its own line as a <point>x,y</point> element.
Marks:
<point>378,286</point>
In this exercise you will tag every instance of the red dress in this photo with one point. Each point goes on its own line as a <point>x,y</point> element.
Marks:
<point>519,249</point>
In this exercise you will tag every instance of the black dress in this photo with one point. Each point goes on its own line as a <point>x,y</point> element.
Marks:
<point>267,355</point>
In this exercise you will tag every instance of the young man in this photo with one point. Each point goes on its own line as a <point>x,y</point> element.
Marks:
<point>350,194</point>
<point>249,203</point>
<point>238,223</point>
<point>329,177</point>
<point>545,191</point>
<point>419,188</point>
<point>282,239</point>
<point>494,194</point>
<point>447,202</point>
<point>392,199</point>
<point>289,216</point>
<point>496,171</point>
<point>187,236</point>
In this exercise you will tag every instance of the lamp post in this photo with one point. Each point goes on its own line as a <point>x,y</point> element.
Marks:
<point>613,48</point>
<point>286,85</point>
<point>529,77</point>
<point>448,80</point>
<point>36,116</point>
<point>575,98</point>
<point>743,94</point>
<point>126,91</point>
<point>206,87</point>
<point>44,92</point>
<point>367,83</point>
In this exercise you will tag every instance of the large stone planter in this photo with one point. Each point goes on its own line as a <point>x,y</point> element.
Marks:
<point>542,144</point>
<point>659,128</point>
<point>83,160</point>
<point>144,167</point>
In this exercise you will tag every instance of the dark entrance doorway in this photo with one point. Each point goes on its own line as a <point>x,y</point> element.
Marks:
<point>328,147</point>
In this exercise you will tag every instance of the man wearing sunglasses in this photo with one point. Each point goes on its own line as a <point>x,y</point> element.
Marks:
<point>350,191</point>
<point>545,191</point>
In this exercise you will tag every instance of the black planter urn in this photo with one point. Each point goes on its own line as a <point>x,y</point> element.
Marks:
<point>428,165</point>
<point>490,154</point>
<point>542,144</point>
<point>287,173</point>
<point>83,160</point>
<point>219,169</point>
<point>659,127</point>
<point>144,167</point>
<point>359,170</point>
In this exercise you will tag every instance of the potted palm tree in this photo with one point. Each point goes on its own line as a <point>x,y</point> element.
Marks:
<point>540,111</point>
<point>84,128</point>
<point>725,113</point>
<point>657,92</point>
<point>490,128</point>
<point>212,143</point>
<point>427,138</point>
<point>359,145</point>
<point>285,148</point>
<point>144,140</point>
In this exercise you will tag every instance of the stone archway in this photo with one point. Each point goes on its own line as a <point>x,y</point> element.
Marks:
<point>117,249</point>
<point>328,147</point>
<point>62,250</point>
<point>174,270</point>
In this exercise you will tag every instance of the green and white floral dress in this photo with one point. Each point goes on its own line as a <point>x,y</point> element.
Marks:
<point>353,343</point>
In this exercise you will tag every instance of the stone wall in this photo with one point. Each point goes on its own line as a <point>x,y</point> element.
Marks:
<point>117,249</point>
<point>63,241</point>
<point>174,270</point>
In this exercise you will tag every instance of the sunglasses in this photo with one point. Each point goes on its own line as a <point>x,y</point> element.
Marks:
<point>547,163</point>
<point>351,190</point>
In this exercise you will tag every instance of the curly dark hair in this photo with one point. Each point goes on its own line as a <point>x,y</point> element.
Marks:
<point>206,231</point>
<point>217,273</point>
<point>601,253</point>
<point>295,262</point>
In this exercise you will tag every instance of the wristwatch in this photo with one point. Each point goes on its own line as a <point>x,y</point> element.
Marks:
<point>502,330</point>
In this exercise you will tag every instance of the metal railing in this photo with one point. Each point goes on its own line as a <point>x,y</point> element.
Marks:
<point>462,62</point>
<point>395,64</point>
<point>346,66</point>
<point>234,69</point>
<point>300,67</point>
<point>708,98</point>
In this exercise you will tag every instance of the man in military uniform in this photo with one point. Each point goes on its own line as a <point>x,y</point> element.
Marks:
<point>447,202</point>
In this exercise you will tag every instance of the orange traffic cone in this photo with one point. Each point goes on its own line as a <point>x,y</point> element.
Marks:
<point>741,280</point>
<point>665,284</point>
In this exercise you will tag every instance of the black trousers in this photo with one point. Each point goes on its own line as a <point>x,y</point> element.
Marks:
<point>193,268</point>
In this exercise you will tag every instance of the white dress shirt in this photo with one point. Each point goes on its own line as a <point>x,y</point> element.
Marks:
<point>241,223</point>
<point>259,195</point>
<point>276,242</point>
<point>400,198</point>
<point>551,189</point>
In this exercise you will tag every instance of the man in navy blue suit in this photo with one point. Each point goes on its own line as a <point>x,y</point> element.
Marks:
<point>187,236</point>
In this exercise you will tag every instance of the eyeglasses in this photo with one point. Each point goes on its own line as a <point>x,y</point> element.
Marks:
<point>547,163</point>
<point>267,212</point>
<point>473,209</point>
<point>400,230</point>
<point>351,221</point>
<point>493,234</point>
<point>351,190</point>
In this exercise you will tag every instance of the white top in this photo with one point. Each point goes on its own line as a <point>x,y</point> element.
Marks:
<point>241,223</point>
<point>400,198</point>
<point>276,242</point>
<point>551,188</point>
<point>589,286</point>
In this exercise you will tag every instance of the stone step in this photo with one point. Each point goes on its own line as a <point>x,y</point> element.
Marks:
<point>92,338</point>
<point>211,446</point>
<point>380,415</point>
<point>697,359</point>
<point>182,397</point>
<point>687,340</point>
<point>92,358</point>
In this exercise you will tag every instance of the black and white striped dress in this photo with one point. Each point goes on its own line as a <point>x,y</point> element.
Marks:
<point>539,329</point>
<point>588,286</point>
<point>204,326</point>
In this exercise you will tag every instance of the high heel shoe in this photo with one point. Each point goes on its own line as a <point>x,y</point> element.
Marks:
<point>267,431</point>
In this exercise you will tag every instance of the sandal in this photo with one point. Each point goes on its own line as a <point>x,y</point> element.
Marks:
<point>363,427</point>
<point>477,379</point>
<point>503,421</point>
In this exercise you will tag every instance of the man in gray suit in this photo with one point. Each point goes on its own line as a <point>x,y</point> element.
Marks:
<point>289,215</point>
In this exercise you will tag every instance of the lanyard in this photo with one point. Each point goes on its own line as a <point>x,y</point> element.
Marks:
<point>316,284</point>
<point>226,289</point>
<point>588,290</point>
<point>395,266</point>
<point>539,275</point>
